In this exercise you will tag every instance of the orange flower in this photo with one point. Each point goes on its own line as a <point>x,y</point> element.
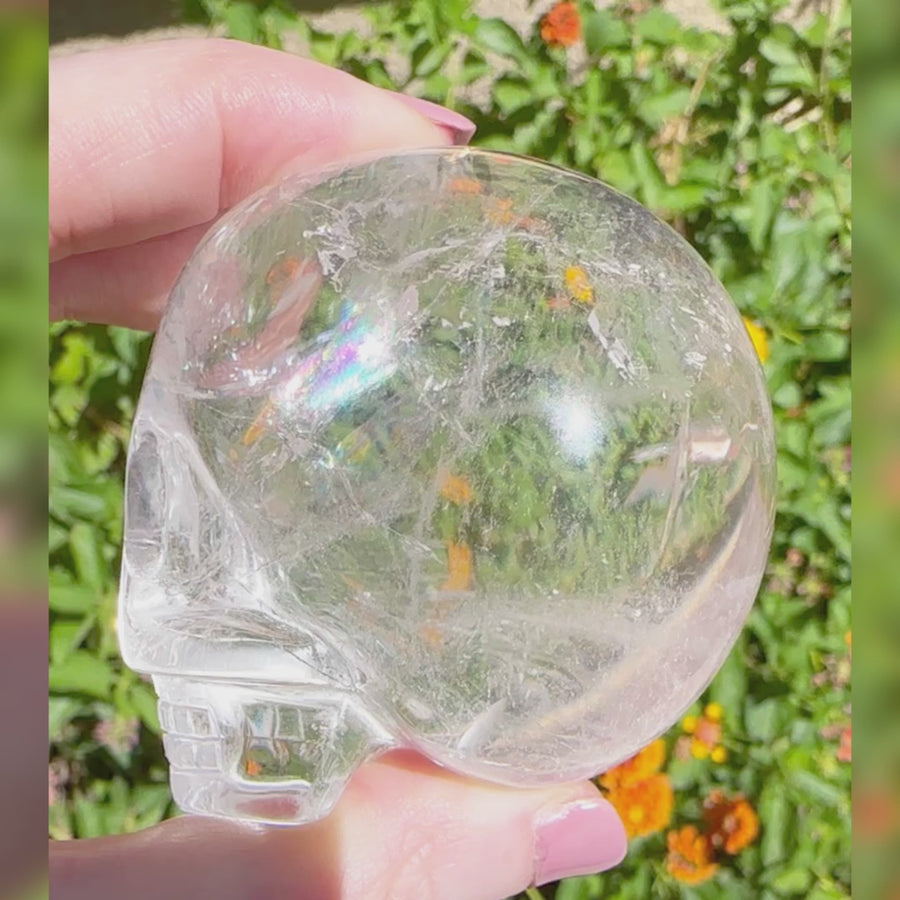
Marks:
<point>498,211</point>
<point>578,285</point>
<point>432,635</point>
<point>644,806</point>
<point>642,765</point>
<point>258,425</point>
<point>465,186</point>
<point>282,273</point>
<point>690,856</point>
<point>558,302</point>
<point>456,489</point>
<point>459,567</point>
<point>561,27</point>
<point>732,822</point>
<point>758,339</point>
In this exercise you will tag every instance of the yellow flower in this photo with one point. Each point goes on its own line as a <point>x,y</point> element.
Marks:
<point>713,712</point>
<point>690,858</point>
<point>699,749</point>
<point>578,285</point>
<point>758,338</point>
<point>689,724</point>
<point>718,755</point>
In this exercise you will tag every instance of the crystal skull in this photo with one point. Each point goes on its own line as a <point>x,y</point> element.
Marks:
<point>449,450</point>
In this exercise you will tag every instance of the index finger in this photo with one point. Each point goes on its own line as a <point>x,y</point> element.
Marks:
<point>151,141</point>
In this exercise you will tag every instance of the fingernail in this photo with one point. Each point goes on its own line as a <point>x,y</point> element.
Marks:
<point>458,127</point>
<point>580,838</point>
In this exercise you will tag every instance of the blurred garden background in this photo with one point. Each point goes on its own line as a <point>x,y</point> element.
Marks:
<point>738,135</point>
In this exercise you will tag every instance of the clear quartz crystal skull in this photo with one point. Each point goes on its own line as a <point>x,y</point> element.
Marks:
<point>448,450</point>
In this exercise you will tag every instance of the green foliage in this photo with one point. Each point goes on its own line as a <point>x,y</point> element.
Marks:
<point>104,735</point>
<point>739,140</point>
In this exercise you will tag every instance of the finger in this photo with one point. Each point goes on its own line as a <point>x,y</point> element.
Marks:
<point>125,286</point>
<point>152,139</point>
<point>403,829</point>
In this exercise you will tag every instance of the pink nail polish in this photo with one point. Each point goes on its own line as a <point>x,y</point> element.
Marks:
<point>459,127</point>
<point>577,839</point>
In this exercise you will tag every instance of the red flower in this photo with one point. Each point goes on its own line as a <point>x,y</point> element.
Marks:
<point>731,820</point>
<point>561,27</point>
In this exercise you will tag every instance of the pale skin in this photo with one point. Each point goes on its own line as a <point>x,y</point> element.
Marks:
<point>148,145</point>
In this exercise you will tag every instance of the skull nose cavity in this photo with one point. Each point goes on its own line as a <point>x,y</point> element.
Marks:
<point>263,752</point>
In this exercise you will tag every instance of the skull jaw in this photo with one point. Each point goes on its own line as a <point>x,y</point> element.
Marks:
<point>269,753</point>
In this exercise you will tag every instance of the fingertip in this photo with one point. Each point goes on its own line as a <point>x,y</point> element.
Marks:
<point>579,838</point>
<point>459,129</point>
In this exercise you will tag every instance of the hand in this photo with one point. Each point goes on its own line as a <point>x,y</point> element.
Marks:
<point>148,145</point>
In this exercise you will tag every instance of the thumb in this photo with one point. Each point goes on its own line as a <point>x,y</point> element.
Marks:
<point>411,830</point>
<point>403,829</point>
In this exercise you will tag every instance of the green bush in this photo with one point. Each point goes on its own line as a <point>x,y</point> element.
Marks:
<point>740,140</point>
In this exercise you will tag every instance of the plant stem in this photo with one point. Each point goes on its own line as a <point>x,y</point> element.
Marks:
<point>532,893</point>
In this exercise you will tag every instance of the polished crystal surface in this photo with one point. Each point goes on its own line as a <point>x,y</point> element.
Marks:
<point>449,450</point>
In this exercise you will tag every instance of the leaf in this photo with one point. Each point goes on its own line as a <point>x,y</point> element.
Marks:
<point>657,108</point>
<point>683,197</point>
<point>587,887</point>
<point>72,364</point>
<point>778,53</point>
<point>427,58</point>
<point>789,395</point>
<point>648,175</point>
<point>601,30</point>
<point>242,21</point>
<point>65,636</point>
<point>729,687</point>
<point>89,817</point>
<point>81,673</point>
<point>763,200</point>
<point>61,711</point>
<point>57,537</point>
<point>512,93</point>
<point>474,66</point>
<point>149,803</point>
<point>87,502</point>
<point>657,27</point>
<point>790,882</point>
<point>776,815</point>
<point>84,545</point>
<point>499,37</point>
<point>764,721</point>
<point>65,596</point>
<point>144,700</point>
<point>323,47</point>
<point>827,346</point>
<point>818,789</point>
